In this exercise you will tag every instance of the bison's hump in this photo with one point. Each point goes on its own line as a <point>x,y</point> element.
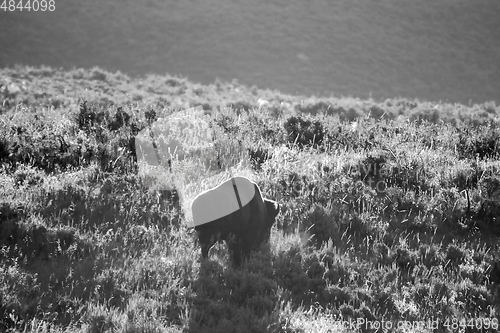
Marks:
<point>222,201</point>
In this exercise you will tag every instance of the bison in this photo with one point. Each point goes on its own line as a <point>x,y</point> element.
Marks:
<point>235,212</point>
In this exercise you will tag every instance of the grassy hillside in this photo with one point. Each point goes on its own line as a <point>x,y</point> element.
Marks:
<point>390,211</point>
<point>434,50</point>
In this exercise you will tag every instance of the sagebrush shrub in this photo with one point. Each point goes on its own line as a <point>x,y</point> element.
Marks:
<point>89,117</point>
<point>406,259</point>
<point>430,255</point>
<point>321,225</point>
<point>482,142</point>
<point>289,274</point>
<point>455,254</point>
<point>259,156</point>
<point>304,132</point>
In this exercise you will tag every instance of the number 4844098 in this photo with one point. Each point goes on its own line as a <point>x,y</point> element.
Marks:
<point>28,5</point>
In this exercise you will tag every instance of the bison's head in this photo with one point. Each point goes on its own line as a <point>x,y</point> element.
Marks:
<point>272,210</point>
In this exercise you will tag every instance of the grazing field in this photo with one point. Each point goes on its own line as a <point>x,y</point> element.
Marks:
<point>390,212</point>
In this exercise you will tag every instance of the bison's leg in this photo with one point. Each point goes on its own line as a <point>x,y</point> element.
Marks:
<point>204,250</point>
<point>235,252</point>
<point>206,241</point>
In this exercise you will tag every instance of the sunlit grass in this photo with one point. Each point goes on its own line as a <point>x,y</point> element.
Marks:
<point>91,243</point>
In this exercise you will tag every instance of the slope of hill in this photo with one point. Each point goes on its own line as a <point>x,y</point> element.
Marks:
<point>46,87</point>
<point>384,221</point>
<point>431,50</point>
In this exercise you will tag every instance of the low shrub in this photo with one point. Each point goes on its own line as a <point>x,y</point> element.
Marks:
<point>304,132</point>
<point>482,142</point>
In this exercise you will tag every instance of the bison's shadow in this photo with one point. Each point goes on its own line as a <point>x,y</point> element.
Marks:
<point>235,299</point>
